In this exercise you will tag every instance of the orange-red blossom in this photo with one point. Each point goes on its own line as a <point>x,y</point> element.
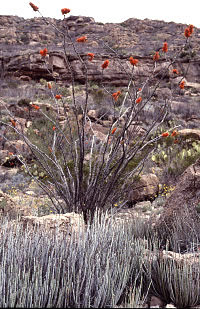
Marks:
<point>65,11</point>
<point>113,130</point>
<point>34,7</point>
<point>165,134</point>
<point>174,133</point>
<point>105,64</point>
<point>182,85</point>
<point>13,122</point>
<point>116,95</point>
<point>58,96</point>
<point>139,100</point>
<point>191,28</point>
<point>156,56</point>
<point>82,39</point>
<point>35,106</point>
<point>188,31</point>
<point>91,56</point>
<point>49,85</point>
<point>43,52</point>
<point>54,128</point>
<point>133,61</point>
<point>165,47</point>
<point>175,71</point>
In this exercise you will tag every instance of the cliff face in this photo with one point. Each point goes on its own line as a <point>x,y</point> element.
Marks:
<point>21,39</point>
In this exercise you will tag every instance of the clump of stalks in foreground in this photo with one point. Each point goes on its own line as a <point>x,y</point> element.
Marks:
<point>72,183</point>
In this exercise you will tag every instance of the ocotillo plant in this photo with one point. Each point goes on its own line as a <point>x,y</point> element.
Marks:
<point>104,180</point>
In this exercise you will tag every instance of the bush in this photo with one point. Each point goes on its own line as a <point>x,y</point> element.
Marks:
<point>103,182</point>
<point>94,270</point>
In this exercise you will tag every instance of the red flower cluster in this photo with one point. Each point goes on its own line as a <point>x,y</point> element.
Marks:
<point>191,28</point>
<point>34,7</point>
<point>35,106</point>
<point>182,85</point>
<point>139,100</point>
<point>156,56</point>
<point>82,39</point>
<point>174,133</point>
<point>49,85</point>
<point>133,61</point>
<point>105,64</point>
<point>189,31</point>
<point>165,47</point>
<point>113,130</point>
<point>165,134</point>
<point>53,128</point>
<point>175,71</point>
<point>116,95</point>
<point>65,11</point>
<point>58,96</point>
<point>91,56</point>
<point>13,122</point>
<point>43,52</point>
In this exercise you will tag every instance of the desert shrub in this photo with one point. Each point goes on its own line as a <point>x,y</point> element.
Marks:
<point>92,270</point>
<point>176,282</point>
<point>87,186</point>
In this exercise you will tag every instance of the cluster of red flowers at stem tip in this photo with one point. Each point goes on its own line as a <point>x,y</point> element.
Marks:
<point>13,122</point>
<point>105,64</point>
<point>113,130</point>
<point>165,47</point>
<point>35,106</point>
<point>182,84</point>
<point>49,85</point>
<point>91,56</point>
<point>54,128</point>
<point>156,56</point>
<point>174,133</point>
<point>65,11</point>
<point>82,39</point>
<point>116,95</point>
<point>133,61</point>
<point>166,134</point>
<point>43,52</point>
<point>34,7</point>
<point>175,71</point>
<point>188,31</point>
<point>139,100</point>
<point>58,96</point>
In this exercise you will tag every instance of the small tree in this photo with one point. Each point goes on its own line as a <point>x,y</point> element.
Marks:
<point>114,160</point>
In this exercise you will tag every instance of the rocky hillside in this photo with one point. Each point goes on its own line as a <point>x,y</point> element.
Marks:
<point>21,39</point>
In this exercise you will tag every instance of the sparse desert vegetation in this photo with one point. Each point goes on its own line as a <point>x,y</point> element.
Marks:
<point>99,164</point>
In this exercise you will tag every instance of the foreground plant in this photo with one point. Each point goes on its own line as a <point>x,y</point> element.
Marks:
<point>114,160</point>
<point>44,269</point>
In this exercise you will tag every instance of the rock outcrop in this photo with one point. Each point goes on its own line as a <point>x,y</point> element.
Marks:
<point>181,207</point>
<point>66,223</point>
<point>21,40</point>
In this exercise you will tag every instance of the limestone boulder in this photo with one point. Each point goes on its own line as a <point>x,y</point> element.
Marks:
<point>190,133</point>
<point>145,188</point>
<point>67,223</point>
